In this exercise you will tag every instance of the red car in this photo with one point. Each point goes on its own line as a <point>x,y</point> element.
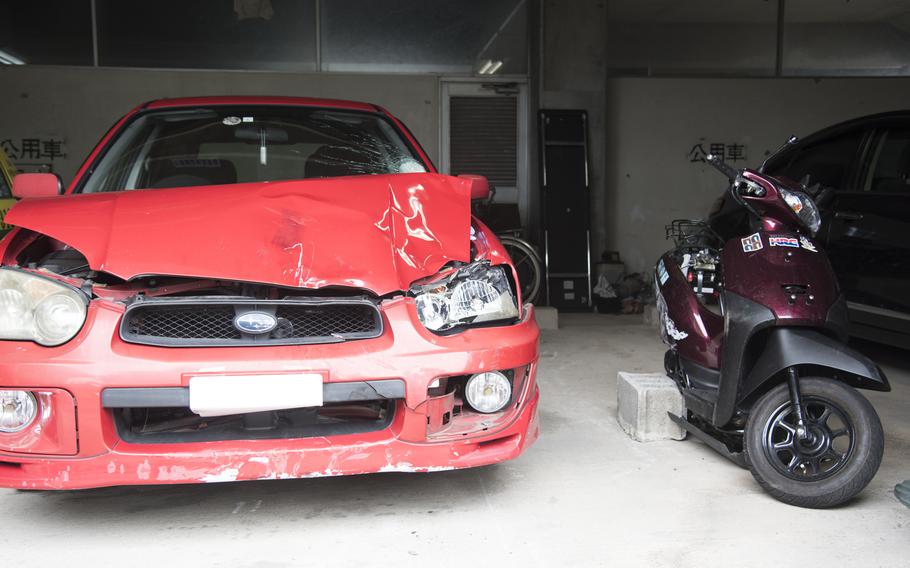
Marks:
<point>257,288</point>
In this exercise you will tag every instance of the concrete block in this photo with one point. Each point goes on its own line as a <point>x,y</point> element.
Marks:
<point>643,401</point>
<point>650,315</point>
<point>547,317</point>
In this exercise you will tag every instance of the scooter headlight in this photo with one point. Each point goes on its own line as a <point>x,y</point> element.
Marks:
<point>475,293</point>
<point>805,209</point>
<point>33,308</point>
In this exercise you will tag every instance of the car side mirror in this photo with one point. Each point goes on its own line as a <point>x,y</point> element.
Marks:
<point>27,186</point>
<point>480,187</point>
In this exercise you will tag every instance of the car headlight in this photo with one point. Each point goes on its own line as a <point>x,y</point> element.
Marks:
<point>18,409</point>
<point>804,207</point>
<point>33,308</point>
<point>475,293</point>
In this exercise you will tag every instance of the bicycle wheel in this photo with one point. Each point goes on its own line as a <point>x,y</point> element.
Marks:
<point>527,264</point>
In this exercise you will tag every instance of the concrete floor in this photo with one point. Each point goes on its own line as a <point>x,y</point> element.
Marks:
<point>584,495</point>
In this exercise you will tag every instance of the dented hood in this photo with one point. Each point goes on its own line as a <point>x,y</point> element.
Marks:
<point>375,232</point>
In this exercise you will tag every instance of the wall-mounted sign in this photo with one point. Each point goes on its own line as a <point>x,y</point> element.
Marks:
<point>728,152</point>
<point>29,153</point>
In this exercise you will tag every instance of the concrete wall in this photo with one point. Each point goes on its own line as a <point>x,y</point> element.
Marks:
<point>652,124</point>
<point>80,103</point>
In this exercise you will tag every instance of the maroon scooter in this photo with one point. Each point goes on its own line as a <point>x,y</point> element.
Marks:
<point>757,329</point>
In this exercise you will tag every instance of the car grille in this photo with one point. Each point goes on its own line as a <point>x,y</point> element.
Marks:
<point>210,322</point>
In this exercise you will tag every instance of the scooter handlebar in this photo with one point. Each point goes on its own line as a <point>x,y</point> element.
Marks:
<point>723,167</point>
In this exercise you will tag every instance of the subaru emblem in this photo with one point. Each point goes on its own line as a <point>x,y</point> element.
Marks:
<point>255,323</point>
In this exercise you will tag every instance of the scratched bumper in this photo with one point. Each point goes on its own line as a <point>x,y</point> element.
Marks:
<point>97,359</point>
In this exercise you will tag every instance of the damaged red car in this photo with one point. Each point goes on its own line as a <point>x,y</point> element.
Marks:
<point>257,288</point>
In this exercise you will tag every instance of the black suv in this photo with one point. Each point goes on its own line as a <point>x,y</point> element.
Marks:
<point>866,215</point>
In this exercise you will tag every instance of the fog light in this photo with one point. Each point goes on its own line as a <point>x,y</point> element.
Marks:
<point>488,392</point>
<point>17,410</point>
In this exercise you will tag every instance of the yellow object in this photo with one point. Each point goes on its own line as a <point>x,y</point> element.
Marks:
<point>7,173</point>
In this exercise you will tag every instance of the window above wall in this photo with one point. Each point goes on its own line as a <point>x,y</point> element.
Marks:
<point>694,37</point>
<point>50,32</point>
<point>758,38</point>
<point>212,34</point>
<point>837,37</point>
<point>464,37</point>
<point>430,35</point>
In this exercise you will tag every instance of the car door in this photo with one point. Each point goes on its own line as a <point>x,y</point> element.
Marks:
<point>867,234</point>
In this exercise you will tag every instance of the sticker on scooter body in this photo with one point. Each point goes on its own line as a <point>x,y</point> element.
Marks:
<point>669,333</point>
<point>807,244</point>
<point>752,243</point>
<point>783,241</point>
<point>672,331</point>
<point>662,273</point>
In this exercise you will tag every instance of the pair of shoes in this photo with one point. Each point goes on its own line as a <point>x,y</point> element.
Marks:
<point>902,492</point>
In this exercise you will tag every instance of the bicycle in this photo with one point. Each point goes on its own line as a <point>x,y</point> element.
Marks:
<point>527,262</point>
<point>501,217</point>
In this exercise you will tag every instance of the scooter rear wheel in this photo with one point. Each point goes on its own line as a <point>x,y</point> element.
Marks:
<point>835,462</point>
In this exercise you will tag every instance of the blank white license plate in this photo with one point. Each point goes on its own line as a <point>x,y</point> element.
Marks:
<point>222,395</point>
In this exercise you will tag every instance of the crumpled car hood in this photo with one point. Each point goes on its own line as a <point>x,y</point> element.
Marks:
<point>380,233</point>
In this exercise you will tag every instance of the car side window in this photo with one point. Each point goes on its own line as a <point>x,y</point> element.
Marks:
<point>827,162</point>
<point>889,169</point>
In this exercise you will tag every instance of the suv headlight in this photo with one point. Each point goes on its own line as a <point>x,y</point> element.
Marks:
<point>34,308</point>
<point>804,207</point>
<point>475,293</point>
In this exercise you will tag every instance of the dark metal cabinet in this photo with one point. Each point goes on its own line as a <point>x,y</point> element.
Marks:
<point>566,208</point>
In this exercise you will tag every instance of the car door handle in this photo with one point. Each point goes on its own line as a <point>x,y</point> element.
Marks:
<point>848,215</point>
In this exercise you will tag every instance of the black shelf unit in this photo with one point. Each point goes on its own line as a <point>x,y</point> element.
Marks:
<point>566,208</point>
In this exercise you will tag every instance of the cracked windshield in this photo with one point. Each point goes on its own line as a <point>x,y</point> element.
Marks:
<point>227,145</point>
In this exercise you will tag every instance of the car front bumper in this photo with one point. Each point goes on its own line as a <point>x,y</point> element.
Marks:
<point>75,443</point>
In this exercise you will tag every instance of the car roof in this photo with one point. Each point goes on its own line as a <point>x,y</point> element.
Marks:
<point>260,100</point>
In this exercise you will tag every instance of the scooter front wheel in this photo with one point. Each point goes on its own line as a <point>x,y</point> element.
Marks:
<point>833,460</point>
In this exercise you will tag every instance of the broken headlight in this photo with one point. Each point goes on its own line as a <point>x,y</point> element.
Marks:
<point>33,308</point>
<point>475,293</point>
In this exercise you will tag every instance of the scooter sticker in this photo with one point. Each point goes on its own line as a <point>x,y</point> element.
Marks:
<point>672,331</point>
<point>662,272</point>
<point>752,243</point>
<point>782,241</point>
<point>669,334</point>
<point>807,244</point>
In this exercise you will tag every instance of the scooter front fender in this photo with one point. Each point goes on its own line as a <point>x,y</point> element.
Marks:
<point>791,346</point>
